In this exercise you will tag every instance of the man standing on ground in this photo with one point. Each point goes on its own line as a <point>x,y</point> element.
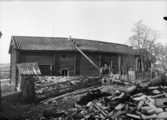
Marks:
<point>104,72</point>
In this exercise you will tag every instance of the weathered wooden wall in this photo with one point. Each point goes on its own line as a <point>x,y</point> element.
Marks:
<point>84,67</point>
<point>64,60</point>
<point>39,57</point>
<point>107,58</point>
<point>128,61</point>
<point>75,62</point>
<point>14,60</point>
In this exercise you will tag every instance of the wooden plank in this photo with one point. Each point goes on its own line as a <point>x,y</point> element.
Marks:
<point>74,92</point>
<point>85,55</point>
<point>119,64</point>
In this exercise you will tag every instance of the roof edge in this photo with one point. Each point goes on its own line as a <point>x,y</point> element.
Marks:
<point>75,39</point>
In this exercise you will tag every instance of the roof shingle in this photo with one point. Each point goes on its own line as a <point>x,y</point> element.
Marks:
<point>62,44</point>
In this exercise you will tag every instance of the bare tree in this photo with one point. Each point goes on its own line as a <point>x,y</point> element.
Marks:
<point>161,54</point>
<point>144,40</point>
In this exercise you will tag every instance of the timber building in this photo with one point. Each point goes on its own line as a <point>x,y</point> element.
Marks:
<point>56,56</point>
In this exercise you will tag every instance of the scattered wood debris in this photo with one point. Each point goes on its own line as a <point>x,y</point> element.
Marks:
<point>121,106</point>
<point>135,103</point>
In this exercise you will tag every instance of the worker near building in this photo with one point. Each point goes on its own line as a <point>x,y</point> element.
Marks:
<point>104,71</point>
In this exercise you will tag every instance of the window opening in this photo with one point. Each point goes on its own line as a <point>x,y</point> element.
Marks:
<point>65,72</point>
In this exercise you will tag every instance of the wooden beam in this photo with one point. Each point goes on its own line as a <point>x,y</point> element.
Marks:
<point>54,65</point>
<point>74,64</point>
<point>119,64</point>
<point>85,56</point>
<point>72,93</point>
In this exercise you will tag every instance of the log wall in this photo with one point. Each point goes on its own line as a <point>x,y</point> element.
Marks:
<point>38,57</point>
<point>84,67</point>
<point>74,62</point>
<point>107,58</point>
<point>64,61</point>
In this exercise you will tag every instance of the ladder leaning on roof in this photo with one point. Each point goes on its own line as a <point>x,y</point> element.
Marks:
<point>73,44</point>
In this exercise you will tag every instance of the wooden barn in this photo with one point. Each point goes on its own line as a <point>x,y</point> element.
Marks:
<point>57,57</point>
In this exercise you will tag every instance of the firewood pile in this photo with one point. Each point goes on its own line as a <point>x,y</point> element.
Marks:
<point>40,87</point>
<point>146,100</point>
<point>135,103</point>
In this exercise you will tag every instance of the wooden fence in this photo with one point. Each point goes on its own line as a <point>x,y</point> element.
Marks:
<point>138,76</point>
<point>145,75</point>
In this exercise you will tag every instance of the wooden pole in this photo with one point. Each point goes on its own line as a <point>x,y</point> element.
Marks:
<point>74,64</point>
<point>119,64</point>
<point>87,58</point>
<point>84,55</point>
<point>54,65</point>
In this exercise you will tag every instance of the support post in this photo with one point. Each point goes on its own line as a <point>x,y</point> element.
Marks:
<point>119,64</point>
<point>74,64</point>
<point>54,65</point>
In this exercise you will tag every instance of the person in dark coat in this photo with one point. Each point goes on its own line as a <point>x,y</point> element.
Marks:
<point>104,70</point>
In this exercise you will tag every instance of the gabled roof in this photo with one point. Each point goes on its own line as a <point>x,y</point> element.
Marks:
<point>62,44</point>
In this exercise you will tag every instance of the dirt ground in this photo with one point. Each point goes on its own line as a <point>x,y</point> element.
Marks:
<point>15,108</point>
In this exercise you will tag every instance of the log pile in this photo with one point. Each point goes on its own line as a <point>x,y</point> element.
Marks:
<point>37,88</point>
<point>136,103</point>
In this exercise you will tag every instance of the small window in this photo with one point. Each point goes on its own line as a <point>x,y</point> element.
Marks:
<point>64,56</point>
<point>64,72</point>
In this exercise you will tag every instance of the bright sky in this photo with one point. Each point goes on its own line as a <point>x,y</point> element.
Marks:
<point>110,21</point>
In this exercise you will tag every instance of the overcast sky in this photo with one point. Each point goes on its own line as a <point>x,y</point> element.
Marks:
<point>110,21</point>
